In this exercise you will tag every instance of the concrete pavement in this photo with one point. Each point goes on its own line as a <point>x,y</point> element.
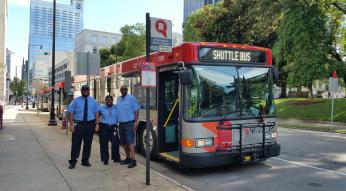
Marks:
<point>34,156</point>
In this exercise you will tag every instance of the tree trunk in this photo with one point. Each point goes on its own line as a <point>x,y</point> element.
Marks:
<point>283,90</point>
<point>344,78</point>
<point>310,91</point>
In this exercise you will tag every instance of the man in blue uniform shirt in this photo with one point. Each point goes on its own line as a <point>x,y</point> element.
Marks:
<point>127,107</point>
<point>108,131</point>
<point>84,117</point>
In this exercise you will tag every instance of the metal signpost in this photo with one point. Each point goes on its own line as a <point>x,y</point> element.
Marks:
<point>147,103</point>
<point>158,38</point>
<point>52,121</point>
<point>333,87</point>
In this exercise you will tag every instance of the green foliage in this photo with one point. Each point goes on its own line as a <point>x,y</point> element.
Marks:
<point>232,21</point>
<point>303,44</point>
<point>18,86</point>
<point>131,45</point>
<point>104,56</point>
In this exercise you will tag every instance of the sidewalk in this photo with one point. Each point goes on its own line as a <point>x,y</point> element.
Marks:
<point>34,156</point>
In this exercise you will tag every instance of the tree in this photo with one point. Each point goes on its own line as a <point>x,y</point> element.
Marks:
<point>303,43</point>
<point>131,45</point>
<point>232,21</point>
<point>133,42</point>
<point>16,87</point>
<point>104,56</point>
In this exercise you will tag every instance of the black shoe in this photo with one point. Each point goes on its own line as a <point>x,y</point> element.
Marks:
<point>132,164</point>
<point>117,160</point>
<point>105,162</point>
<point>87,164</point>
<point>72,165</point>
<point>126,161</point>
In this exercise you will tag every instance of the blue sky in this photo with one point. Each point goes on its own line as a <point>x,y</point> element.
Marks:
<point>104,15</point>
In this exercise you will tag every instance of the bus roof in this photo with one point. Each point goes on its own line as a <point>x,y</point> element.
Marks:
<point>186,52</point>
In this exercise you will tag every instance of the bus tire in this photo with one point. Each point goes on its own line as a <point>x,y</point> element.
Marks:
<point>141,142</point>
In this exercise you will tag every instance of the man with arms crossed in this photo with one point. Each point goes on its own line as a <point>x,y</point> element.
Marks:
<point>127,107</point>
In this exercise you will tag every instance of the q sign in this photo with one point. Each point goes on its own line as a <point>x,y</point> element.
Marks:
<point>161,28</point>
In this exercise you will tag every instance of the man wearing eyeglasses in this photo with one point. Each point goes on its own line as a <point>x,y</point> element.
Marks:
<point>84,120</point>
<point>127,107</point>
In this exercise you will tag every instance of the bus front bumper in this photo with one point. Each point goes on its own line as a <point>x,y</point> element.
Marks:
<point>203,160</point>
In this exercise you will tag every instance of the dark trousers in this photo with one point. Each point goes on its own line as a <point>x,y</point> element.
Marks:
<point>82,132</point>
<point>108,133</point>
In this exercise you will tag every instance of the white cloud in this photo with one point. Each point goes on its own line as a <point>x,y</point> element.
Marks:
<point>25,3</point>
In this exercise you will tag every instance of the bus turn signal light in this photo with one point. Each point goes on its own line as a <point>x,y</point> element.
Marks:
<point>187,143</point>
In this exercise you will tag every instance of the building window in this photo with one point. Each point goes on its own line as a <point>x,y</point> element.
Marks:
<point>95,50</point>
<point>78,6</point>
<point>93,38</point>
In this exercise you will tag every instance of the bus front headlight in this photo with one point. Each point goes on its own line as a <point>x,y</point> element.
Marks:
<point>204,142</point>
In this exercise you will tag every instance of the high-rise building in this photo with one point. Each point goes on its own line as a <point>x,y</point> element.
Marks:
<point>92,40</point>
<point>192,5</point>
<point>43,63</point>
<point>3,21</point>
<point>8,63</point>
<point>69,23</point>
<point>8,72</point>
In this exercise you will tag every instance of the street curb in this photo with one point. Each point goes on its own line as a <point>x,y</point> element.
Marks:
<point>168,178</point>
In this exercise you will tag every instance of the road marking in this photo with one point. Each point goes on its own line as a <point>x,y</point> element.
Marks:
<point>313,167</point>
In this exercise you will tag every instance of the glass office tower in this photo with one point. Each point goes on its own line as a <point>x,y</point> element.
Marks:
<point>69,22</point>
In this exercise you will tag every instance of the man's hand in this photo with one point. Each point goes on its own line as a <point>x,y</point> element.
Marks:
<point>134,126</point>
<point>72,127</point>
<point>97,128</point>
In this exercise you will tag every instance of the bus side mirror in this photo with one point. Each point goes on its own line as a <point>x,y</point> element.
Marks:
<point>275,73</point>
<point>185,77</point>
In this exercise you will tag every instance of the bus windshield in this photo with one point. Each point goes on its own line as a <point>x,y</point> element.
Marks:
<point>229,92</point>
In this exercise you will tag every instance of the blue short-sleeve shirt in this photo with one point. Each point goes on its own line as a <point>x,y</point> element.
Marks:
<point>126,108</point>
<point>77,108</point>
<point>108,115</point>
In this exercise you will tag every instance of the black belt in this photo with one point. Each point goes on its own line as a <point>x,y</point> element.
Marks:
<point>92,121</point>
<point>108,125</point>
<point>127,122</point>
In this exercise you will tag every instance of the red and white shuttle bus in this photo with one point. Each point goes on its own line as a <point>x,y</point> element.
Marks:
<point>213,104</point>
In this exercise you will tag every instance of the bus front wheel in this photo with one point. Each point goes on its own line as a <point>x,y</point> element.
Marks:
<point>152,142</point>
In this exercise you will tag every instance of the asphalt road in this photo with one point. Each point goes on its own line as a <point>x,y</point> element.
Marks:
<point>308,161</point>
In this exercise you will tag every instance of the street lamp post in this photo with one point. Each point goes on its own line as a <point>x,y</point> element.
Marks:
<point>22,83</point>
<point>52,121</point>
<point>27,84</point>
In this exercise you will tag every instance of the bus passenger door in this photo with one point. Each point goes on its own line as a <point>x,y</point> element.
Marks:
<point>168,111</point>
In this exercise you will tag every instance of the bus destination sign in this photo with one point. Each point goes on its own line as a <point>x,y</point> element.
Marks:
<point>231,55</point>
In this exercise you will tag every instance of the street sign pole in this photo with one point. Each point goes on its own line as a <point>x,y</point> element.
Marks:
<point>147,104</point>
<point>333,87</point>
<point>332,115</point>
